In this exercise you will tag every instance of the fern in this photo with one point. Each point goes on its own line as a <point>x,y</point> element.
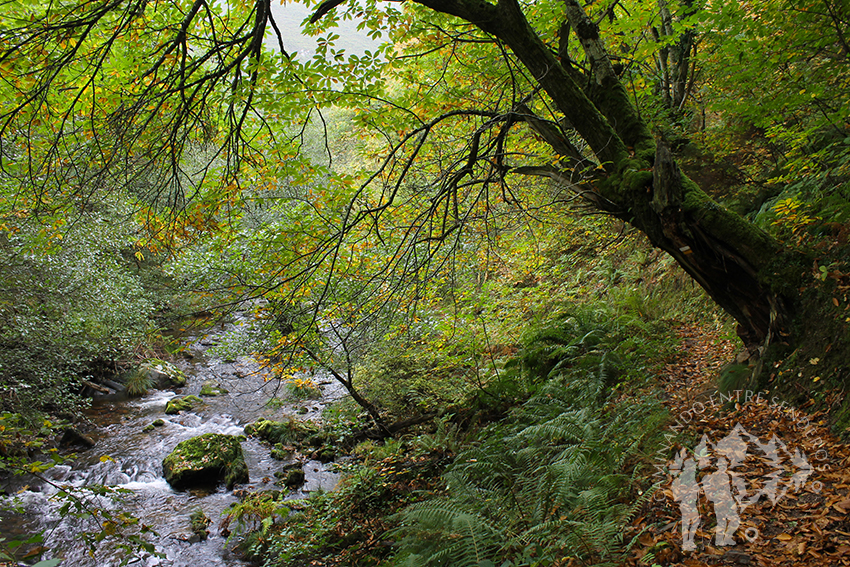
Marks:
<point>561,485</point>
<point>466,538</point>
<point>550,483</point>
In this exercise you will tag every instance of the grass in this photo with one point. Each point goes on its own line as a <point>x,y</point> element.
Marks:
<point>138,383</point>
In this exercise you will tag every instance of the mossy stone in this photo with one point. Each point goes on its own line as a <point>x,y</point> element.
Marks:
<point>178,381</point>
<point>294,478</point>
<point>199,523</point>
<point>288,432</point>
<point>154,424</point>
<point>282,452</point>
<point>206,459</point>
<point>185,403</point>
<point>325,455</point>
<point>212,389</point>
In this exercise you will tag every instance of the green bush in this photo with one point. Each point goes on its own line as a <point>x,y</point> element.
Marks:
<point>72,306</point>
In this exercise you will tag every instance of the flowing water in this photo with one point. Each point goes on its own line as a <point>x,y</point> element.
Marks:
<point>127,457</point>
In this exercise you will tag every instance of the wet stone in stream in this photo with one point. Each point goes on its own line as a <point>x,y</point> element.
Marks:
<point>205,459</point>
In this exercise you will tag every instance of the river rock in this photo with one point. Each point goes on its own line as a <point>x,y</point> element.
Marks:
<point>282,452</point>
<point>71,436</point>
<point>288,432</point>
<point>199,522</point>
<point>293,478</point>
<point>153,425</point>
<point>324,455</point>
<point>212,389</point>
<point>206,459</point>
<point>185,403</point>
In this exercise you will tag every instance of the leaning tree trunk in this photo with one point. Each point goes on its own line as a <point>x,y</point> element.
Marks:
<point>729,257</point>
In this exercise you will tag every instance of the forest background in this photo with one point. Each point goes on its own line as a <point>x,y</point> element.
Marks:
<point>496,202</point>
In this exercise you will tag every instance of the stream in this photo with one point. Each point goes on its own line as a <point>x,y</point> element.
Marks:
<point>135,456</point>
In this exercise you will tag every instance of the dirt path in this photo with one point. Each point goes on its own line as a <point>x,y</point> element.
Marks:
<point>772,476</point>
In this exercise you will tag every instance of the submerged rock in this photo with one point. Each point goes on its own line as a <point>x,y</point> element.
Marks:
<point>206,459</point>
<point>153,425</point>
<point>185,403</point>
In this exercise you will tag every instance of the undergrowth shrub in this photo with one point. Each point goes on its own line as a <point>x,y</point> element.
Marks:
<point>616,344</point>
<point>556,477</point>
<point>339,526</point>
<point>550,490</point>
<point>138,383</point>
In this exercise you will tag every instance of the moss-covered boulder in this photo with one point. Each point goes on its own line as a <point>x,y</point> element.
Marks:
<point>163,373</point>
<point>212,389</point>
<point>206,459</point>
<point>153,425</point>
<point>282,452</point>
<point>185,403</point>
<point>288,432</point>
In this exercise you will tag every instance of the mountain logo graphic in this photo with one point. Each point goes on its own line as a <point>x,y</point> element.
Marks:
<point>726,488</point>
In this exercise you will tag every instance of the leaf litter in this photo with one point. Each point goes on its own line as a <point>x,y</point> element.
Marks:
<point>806,523</point>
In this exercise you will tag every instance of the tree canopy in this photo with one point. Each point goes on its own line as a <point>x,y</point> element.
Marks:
<point>182,108</point>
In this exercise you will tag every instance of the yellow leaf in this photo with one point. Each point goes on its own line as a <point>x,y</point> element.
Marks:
<point>104,458</point>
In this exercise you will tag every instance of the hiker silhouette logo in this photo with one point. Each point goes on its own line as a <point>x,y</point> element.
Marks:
<point>726,487</point>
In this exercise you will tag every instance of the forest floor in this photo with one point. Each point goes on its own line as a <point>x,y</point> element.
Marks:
<point>775,469</point>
